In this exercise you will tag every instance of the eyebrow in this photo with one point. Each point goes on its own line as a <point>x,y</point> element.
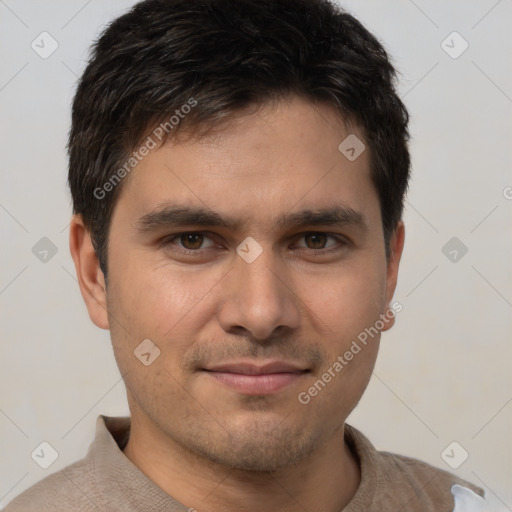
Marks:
<point>174,215</point>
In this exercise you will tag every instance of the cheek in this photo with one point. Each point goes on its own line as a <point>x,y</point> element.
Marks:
<point>147,305</point>
<point>347,301</point>
<point>157,300</point>
<point>347,311</point>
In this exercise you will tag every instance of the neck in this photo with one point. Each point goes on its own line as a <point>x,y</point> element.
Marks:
<point>327,480</point>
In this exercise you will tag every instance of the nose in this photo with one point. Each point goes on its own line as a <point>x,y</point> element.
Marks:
<point>259,298</point>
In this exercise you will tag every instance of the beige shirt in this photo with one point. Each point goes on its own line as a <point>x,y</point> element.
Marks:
<point>106,480</point>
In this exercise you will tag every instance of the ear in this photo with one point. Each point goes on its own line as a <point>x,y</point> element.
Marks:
<point>90,277</point>
<point>396,246</point>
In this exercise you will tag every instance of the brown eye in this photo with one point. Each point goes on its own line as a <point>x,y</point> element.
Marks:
<point>319,243</point>
<point>191,241</point>
<point>317,240</point>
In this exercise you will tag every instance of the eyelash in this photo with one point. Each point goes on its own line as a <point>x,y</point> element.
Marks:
<point>342,242</point>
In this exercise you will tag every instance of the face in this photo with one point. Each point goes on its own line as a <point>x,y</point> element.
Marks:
<point>254,300</point>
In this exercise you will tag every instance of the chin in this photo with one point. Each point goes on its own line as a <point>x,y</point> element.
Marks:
<point>260,447</point>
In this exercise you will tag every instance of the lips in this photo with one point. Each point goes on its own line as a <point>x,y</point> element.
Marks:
<point>246,368</point>
<point>256,379</point>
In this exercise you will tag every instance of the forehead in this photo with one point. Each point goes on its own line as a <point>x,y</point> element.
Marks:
<point>282,157</point>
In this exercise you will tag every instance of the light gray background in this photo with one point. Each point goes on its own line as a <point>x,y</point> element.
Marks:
<point>444,371</point>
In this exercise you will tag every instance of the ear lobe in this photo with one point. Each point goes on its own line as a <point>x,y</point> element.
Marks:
<point>90,277</point>
<point>396,246</point>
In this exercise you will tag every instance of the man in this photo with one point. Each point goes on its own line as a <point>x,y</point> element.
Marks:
<point>238,171</point>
